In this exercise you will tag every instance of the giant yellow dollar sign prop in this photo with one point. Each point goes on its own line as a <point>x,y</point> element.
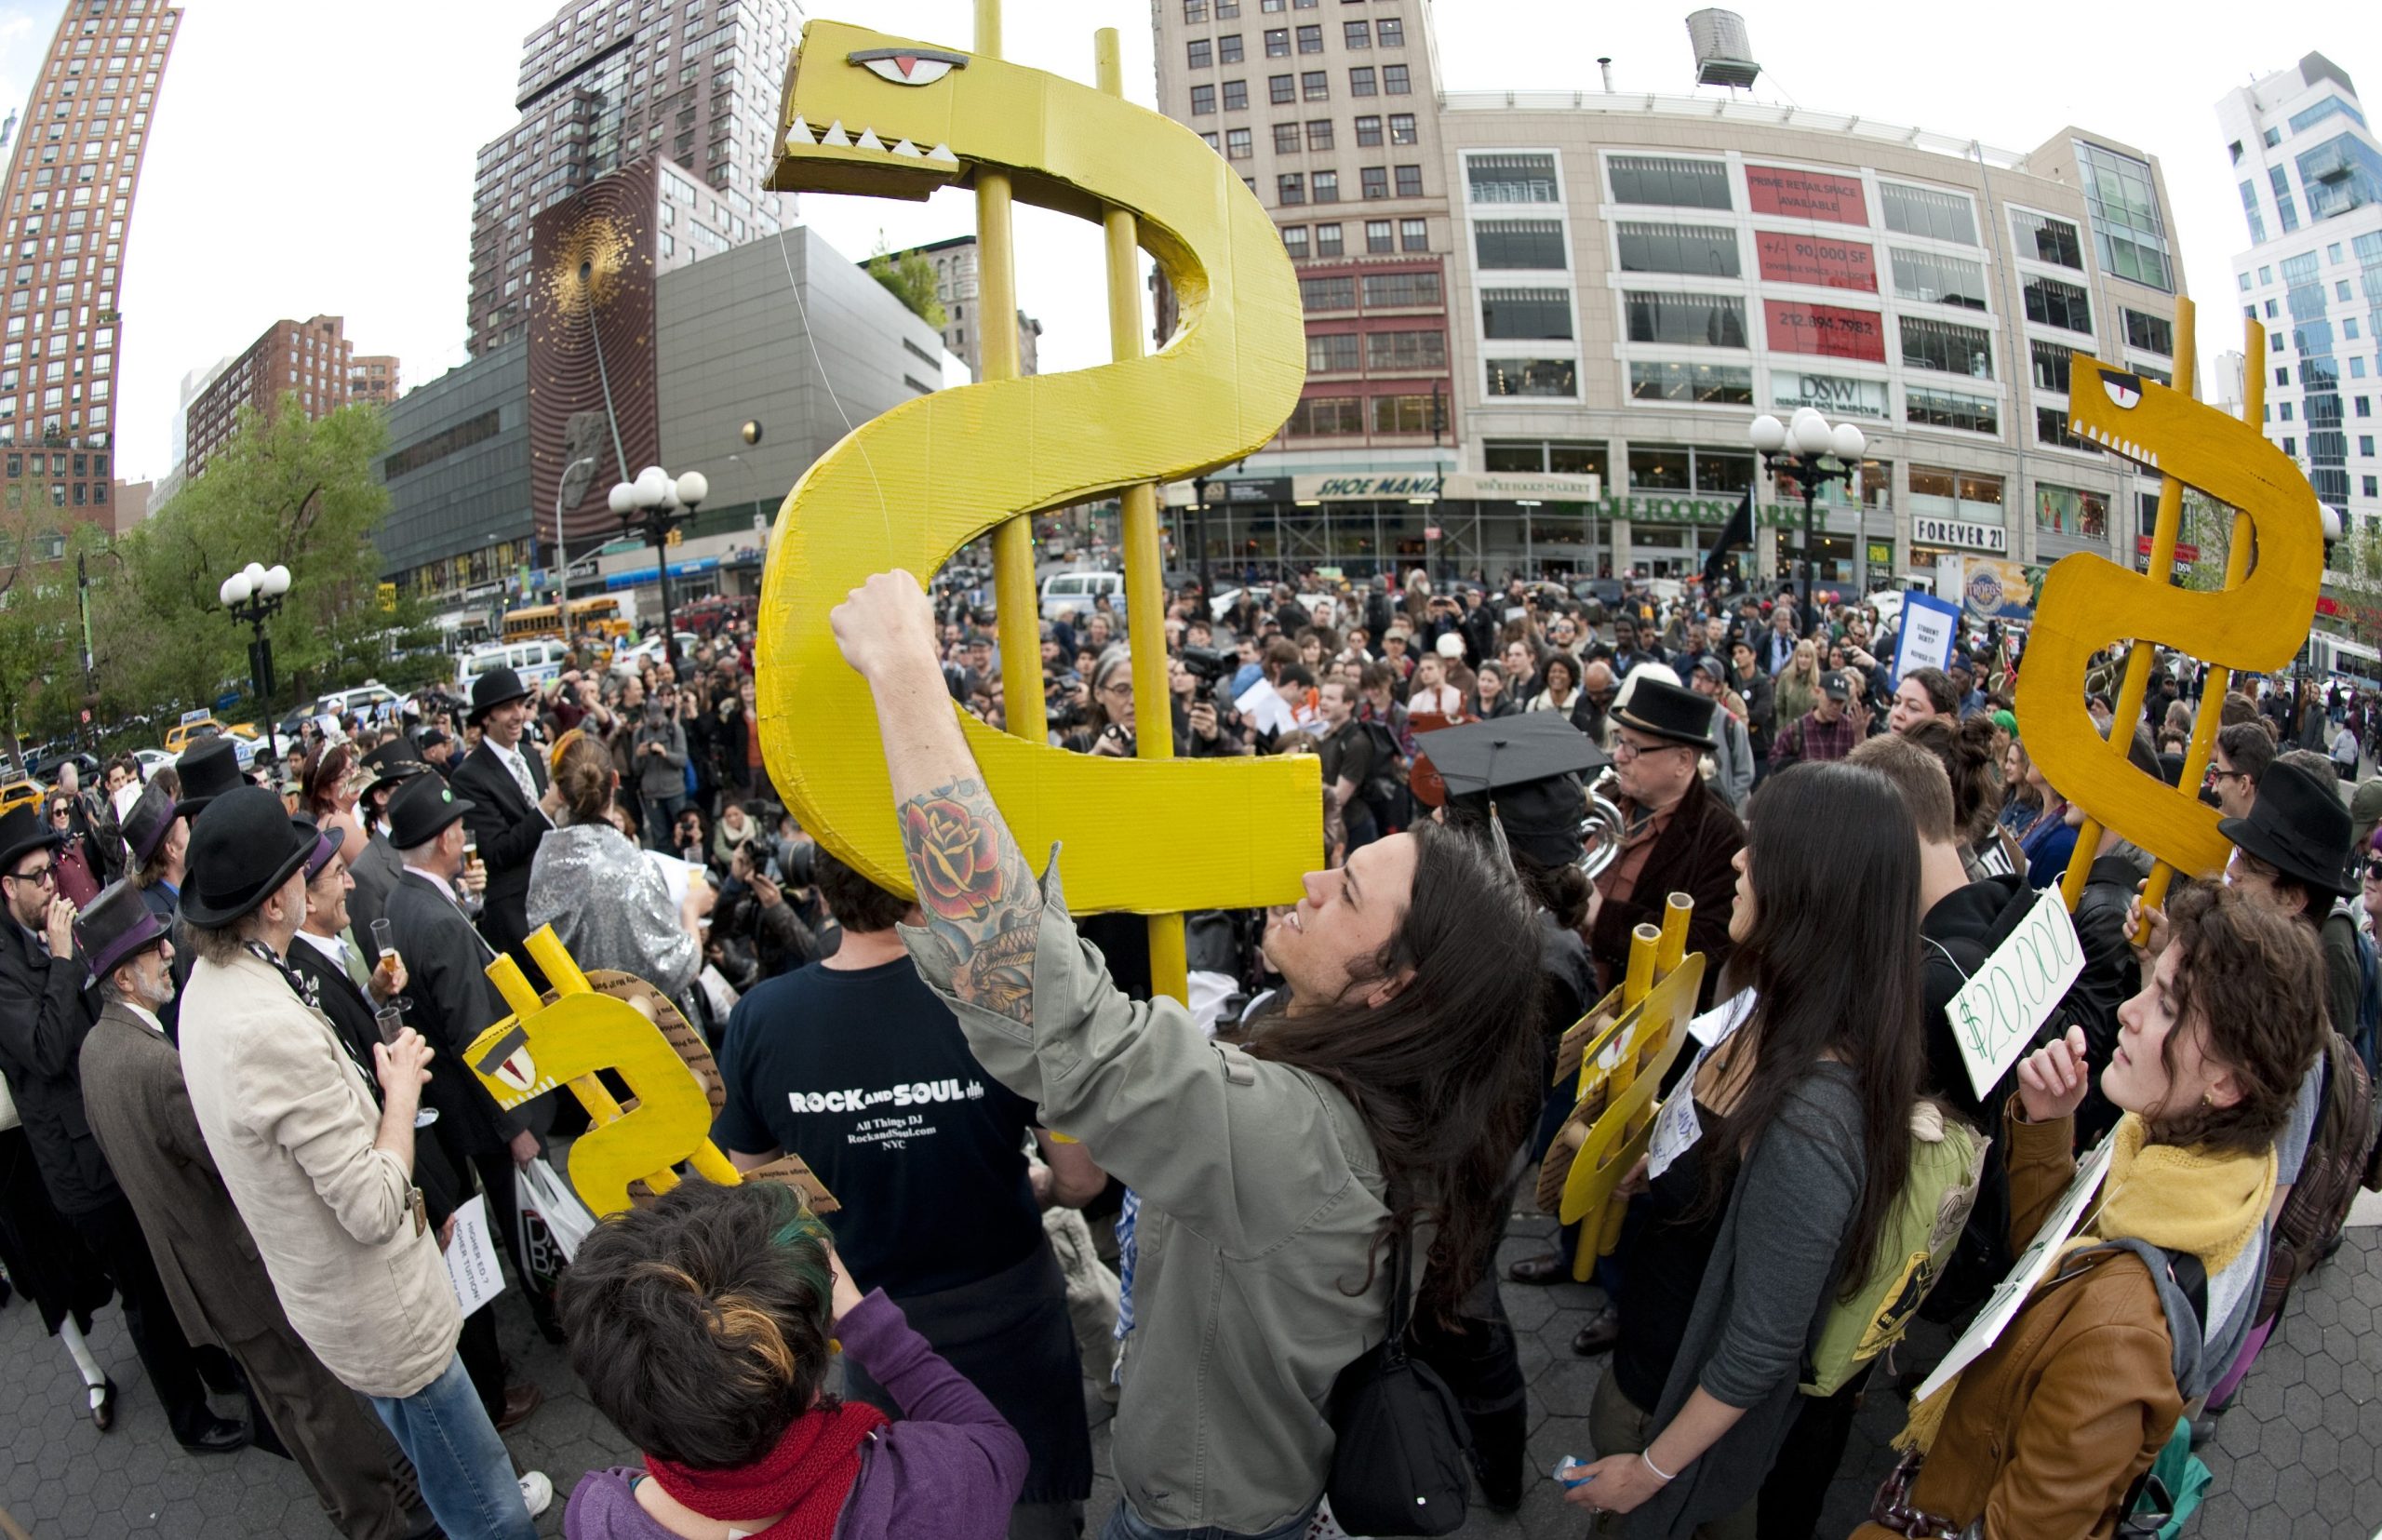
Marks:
<point>2087,604</point>
<point>869,113</point>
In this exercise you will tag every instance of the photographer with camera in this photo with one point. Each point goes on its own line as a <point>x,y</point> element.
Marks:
<point>757,930</point>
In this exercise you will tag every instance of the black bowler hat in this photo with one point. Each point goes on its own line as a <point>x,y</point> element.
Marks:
<point>1661,709</point>
<point>422,808</point>
<point>242,848</point>
<point>492,690</point>
<point>22,830</point>
<point>115,928</point>
<point>2298,825</point>
<point>207,771</point>
<point>1528,768</point>
<point>152,814</point>
<point>393,761</point>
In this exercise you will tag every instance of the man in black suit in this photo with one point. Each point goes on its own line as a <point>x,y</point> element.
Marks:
<point>512,804</point>
<point>375,868</point>
<point>48,1007</point>
<point>351,991</point>
<point>454,1002</point>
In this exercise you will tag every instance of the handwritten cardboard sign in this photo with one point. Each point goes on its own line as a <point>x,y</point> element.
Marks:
<point>471,1257</point>
<point>1996,1014</point>
<point>2010,1296</point>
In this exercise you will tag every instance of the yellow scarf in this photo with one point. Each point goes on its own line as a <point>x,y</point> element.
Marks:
<point>2208,1202</point>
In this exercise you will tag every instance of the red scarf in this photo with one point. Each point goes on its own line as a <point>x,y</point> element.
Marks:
<point>806,1477</point>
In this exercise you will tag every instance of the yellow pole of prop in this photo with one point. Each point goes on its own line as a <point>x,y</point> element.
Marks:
<point>1645,944</point>
<point>2143,653</point>
<point>1676,910</point>
<point>2237,568</point>
<point>1016,606</point>
<point>1144,563</point>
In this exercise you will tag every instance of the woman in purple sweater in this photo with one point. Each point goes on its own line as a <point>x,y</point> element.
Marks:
<point>700,1326</point>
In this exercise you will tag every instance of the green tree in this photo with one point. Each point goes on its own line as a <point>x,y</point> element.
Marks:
<point>909,278</point>
<point>40,629</point>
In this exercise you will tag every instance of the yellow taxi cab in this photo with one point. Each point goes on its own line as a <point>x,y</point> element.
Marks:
<point>196,725</point>
<point>18,790</point>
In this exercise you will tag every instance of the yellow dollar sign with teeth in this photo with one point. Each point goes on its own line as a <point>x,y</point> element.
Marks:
<point>885,117</point>
<point>2086,604</point>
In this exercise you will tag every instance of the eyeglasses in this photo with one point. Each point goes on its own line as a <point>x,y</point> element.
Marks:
<point>2216,775</point>
<point>2373,869</point>
<point>42,878</point>
<point>1625,750</point>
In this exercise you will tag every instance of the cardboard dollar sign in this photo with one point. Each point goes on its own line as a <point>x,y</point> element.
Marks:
<point>869,113</point>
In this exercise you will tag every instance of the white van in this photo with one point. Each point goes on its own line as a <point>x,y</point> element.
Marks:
<point>537,663</point>
<point>1077,590</point>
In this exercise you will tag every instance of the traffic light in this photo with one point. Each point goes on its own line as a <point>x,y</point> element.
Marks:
<point>676,536</point>
<point>388,592</point>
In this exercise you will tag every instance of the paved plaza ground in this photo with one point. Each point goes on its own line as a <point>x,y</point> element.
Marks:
<point>2295,1460</point>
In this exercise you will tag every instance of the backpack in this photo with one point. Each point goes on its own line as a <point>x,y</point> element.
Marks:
<point>2340,1157</point>
<point>1947,1164</point>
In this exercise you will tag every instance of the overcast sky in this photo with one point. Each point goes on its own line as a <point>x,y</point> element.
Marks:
<point>316,156</point>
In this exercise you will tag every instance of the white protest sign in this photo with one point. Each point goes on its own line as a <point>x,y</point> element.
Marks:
<point>1930,627</point>
<point>1677,1128</point>
<point>1995,1014</point>
<point>471,1257</point>
<point>2010,1296</point>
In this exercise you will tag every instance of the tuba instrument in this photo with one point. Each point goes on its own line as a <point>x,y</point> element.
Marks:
<point>1601,830</point>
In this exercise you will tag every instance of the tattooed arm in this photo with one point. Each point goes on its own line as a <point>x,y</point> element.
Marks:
<point>977,892</point>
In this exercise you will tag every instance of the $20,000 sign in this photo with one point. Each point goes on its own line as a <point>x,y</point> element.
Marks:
<point>1997,1013</point>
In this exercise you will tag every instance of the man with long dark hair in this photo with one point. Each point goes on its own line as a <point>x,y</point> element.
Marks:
<point>1378,1108</point>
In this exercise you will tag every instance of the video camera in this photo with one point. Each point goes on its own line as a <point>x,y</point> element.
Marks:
<point>1207,665</point>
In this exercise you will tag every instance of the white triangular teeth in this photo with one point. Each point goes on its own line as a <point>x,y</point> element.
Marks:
<point>868,141</point>
<point>836,136</point>
<point>907,148</point>
<point>800,132</point>
<point>942,151</point>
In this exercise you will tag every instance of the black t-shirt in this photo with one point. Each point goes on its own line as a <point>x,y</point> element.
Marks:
<point>1666,1261</point>
<point>1348,752</point>
<point>865,1075</point>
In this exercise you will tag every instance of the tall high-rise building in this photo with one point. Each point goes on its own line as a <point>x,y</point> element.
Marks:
<point>66,215</point>
<point>609,82</point>
<point>373,380</point>
<point>963,327</point>
<point>2310,176</point>
<point>310,362</point>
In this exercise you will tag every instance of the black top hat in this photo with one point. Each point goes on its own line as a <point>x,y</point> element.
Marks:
<point>392,762</point>
<point>25,830</point>
<point>207,771</point>
<point>1530,766</point>
<point>323,844</point>
<point>152,814</point>
<point>243,848</point>
<point>115,927</point>
<point>2298,825</point>
<point>1661,709</point>
<point>493,689</point>
<point>421,808</point>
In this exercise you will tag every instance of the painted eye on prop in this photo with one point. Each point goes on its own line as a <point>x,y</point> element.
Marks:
<point>911,67</point>
<point>2124,389</point>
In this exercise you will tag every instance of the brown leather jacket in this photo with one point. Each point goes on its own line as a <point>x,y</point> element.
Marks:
<point>2048,1430</point>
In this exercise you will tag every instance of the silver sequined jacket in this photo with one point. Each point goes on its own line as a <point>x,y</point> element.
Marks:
<point>609,907</point>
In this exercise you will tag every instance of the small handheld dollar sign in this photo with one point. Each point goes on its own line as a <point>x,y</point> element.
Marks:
<point>866,112</point>
<point>2086,603</point>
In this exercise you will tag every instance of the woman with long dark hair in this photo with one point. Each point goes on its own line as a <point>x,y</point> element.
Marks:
<point>1800,1125</point>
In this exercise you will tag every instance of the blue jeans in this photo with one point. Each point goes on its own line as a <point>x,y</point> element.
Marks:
<point>467,1478</point>
<point>1125,1524</point>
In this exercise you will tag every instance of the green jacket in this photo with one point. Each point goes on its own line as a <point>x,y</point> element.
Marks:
<point>1260,1194</point>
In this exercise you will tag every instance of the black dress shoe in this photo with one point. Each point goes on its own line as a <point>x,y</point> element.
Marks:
<point>220,1437</point>
<point>103,1406</point>
<point>1546,1267</point>
<point>1598,1335</point>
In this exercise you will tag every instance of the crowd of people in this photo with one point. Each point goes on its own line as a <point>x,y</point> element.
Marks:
<point>232,1018</point>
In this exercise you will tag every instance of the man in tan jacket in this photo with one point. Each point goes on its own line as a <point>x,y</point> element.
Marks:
<point>323,1178</point>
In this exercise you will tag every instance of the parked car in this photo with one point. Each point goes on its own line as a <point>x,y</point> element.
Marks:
<point>45,768</point>
<point>627,659</point>
<point>1076,591</point>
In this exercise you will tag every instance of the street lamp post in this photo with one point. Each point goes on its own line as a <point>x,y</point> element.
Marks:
<point>654,505</point>
<point>562,556</point>
<point>1817,454</point>
<point>254,594</point>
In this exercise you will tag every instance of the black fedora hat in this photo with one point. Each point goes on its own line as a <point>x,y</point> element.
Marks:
<point>2298,825</point>
<point>152,814</point>
<point>492,690</point>
<point>207,771</point>
<point>22,830</point>
<point>423,807</point>
<point>242,848</point>
<point>115,927</point>
<point>1660,709</point>
<point>392,762</point>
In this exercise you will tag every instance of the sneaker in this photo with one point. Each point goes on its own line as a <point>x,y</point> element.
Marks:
<point>537,1493</point>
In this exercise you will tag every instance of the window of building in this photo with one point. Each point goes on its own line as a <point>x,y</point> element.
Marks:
<point>1316,84</point>
<point>1511,178</point>
<point>2047,239</point>
<point>1695,384</point>
<point>1541,377</point>
<point>1330,353</point>
<point>2152,333</point>
<point>1401,290</point>
<point>1236,96</point>
<point>1291,187</point>
<point>2364,447</point>
<point>1394,80</point>
<point>2257,222</point>
<point>1326,293</point>
<point>1702,251</point>
<point>1201,53</point>
<point>1367,130</point>
<point>2330,106</point>
<point>2071,511</point>
<point>1280,88</point>
<point>2050,364</point>
<point>1228,48</point>
<point>1940,346</point>
<point>1928,211</point>
<point>1697,320</point>
<point>1310,40</point>
<point>1277,43</point>
<point>2050,303</point>
<point>1328,417</point>
<point>1669,180</point>
<point>2285,410</point>
<point>1361,82</point>
<point>1374,182</point>
<point>1390,33</point>
<point>2280,181</point>
<point>1957,494</point>
<point>1414,235</point>
<point>1518,243</point>
<point>1380,237</point>
<point>1326,185</point>
<point>1934,409</point>
<point>1294,240</point>
<point>1328,240</point>
<point>1203,101</point>
<point>2128,232</point>
<point>2051,427</point>
<point>1409,182</point>
<point>1237,144</point>
<point>2341,174</point>
<point>1318,134</point>
<point>1405,351</point>
<point>1356,34</point>
<point>1286,138</point>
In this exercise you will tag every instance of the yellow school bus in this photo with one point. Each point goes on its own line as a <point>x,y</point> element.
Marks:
<point>600,613</point>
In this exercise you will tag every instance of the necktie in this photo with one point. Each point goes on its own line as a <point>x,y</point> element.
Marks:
<point>520,769</point>
<point>351,960</point>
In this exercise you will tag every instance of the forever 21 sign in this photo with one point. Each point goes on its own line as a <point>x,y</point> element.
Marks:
<point>1990,537</point>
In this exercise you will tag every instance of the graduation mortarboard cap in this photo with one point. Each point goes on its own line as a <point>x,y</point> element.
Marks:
<point>1528,767</point>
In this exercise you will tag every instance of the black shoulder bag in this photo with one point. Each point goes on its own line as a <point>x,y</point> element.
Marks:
<point>1400,1462</point>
